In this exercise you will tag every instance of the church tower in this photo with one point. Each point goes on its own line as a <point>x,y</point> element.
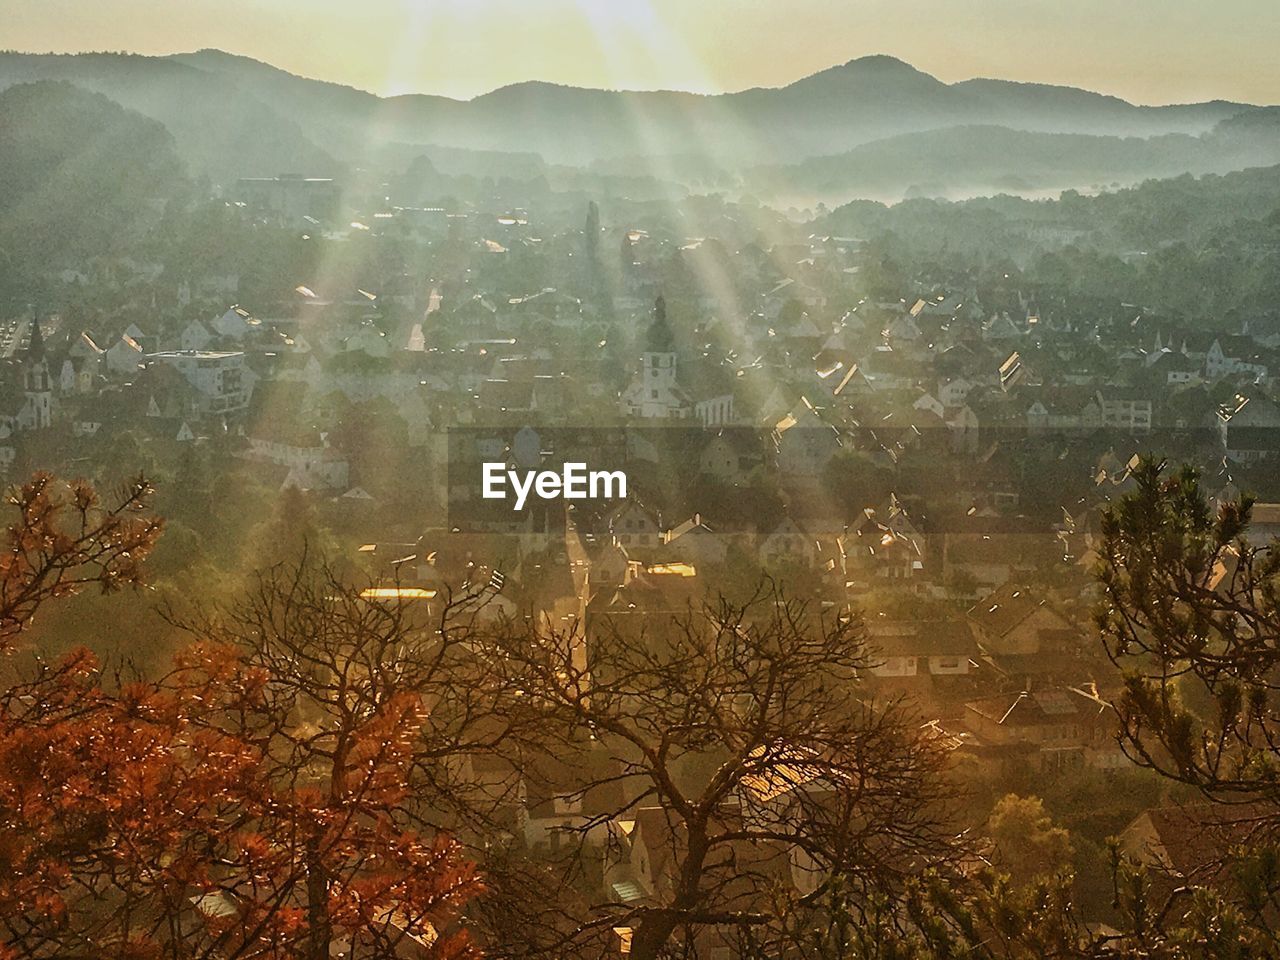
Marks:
<point>37,384</point>
<point>660,350</point>
<point>655,393</point>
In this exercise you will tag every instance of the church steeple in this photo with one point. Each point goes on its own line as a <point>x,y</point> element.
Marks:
<point>35,346</point>
<point>655,391</point>
<point>660,339</point>
<point>37,384</point>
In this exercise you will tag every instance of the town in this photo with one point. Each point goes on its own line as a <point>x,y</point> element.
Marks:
<point>658,476</point>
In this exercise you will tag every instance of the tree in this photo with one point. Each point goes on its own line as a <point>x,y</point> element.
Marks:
<point>213,812</point>
<point>290,533</point>
<point>939,917</point>
<point>64,540</point>
<point>374,438</point>
<point>99,818</point>
<point>341,661</point>
<point>1190,611</point>
<point>1190,602</point>
<point>1026,843</point>
<point>338,659</point>
<point>743,746</point>
<point>158,819</point>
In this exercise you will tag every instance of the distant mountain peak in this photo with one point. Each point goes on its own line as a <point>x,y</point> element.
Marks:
<point>878,68</point>
<point>880,61</point>
<point>529,87</point>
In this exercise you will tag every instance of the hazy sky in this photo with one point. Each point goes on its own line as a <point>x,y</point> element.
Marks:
<point>1149,51</point>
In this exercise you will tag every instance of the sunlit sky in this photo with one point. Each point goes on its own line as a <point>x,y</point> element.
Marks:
<point>1148,51</point>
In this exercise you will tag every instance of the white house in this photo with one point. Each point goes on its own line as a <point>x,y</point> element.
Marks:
<point>788,543</point>
<point>220,378</point>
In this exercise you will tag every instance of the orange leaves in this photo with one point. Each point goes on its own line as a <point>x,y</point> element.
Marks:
<point>167,799</point>
<point>65,540</point>
<point>253,848</point>
<point>106,788</point>
<point>79,663</point>
<point>50,905</point>
<point>251,798</point>
<point>384,748</point>
<point>213,660</point>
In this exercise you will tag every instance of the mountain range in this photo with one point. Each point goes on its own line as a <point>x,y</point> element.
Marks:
<point>77,174</point>
<point>873,124</point>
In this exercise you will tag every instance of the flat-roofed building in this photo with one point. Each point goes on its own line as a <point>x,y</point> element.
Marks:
<point>221,380</point>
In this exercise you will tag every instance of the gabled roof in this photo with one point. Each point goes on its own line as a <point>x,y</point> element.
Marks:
<point>1040,707</point>
<point>693,525</point>
<point>84,343</point>
<point>1236,346</point>
<point>1192,840</point>
<point>1002,611</point>
<point>128,343</point>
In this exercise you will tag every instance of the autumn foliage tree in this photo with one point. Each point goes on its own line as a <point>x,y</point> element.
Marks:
<point>65,539</point>
<point>343,664</point>
<point>202,812</point>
